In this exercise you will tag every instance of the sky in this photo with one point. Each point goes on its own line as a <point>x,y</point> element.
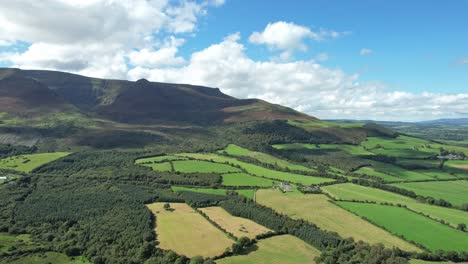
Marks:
<point>365,59</point>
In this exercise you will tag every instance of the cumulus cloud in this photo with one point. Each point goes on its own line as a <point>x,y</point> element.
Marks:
<point>96,37</point>
<point>304,85</point>
<point>289,36</point>
<point>141,39</point>
<point>366,52</point>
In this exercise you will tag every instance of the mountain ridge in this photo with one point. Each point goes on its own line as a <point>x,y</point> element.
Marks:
<point>144,102</point>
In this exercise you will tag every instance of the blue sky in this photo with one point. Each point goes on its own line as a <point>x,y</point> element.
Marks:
<point>386,60</point>
<point>416,44</point>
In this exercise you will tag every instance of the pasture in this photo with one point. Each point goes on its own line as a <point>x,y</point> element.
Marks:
<point>411,226</point>
<point>163,166</point>
<point>238,226</point>
<point>186,232</point>
<point>371,171</point>
<point>461,165</point>
<point>27,163</point>
<point>401,173</point>
<point>348,191</point>
<point>317,209</point>
<point>276,250</point>
<point>261,171</point>
<point>192,166</point>
<point>456,192</point>
<point>235,150</point>
<point>244,179</point>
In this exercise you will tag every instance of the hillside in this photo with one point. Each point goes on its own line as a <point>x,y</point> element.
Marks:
<point>140,102</point>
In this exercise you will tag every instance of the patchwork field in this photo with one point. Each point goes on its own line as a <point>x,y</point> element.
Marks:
<point>163,166</point>
<point>237,226</point>
<point>261,171</point>
<point>243,179</point>
<point>186,232</point>
<point>27,163</point>
<point>247,193</point>
<point>348,191</point>
<point>235,150</point>
<point>410,225</point>
<point>456,192</point>
<point>191,166</point>
<point>457,164</point>
<point>284,249</point>
<point>371,171</point>
<point>317,209</point>
<point>407,147</point>
<point>402,174</point>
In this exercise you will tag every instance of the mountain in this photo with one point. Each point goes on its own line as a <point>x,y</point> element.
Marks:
<point>140,102</point>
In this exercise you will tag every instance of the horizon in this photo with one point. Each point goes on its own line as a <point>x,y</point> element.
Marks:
<point>329,60</point>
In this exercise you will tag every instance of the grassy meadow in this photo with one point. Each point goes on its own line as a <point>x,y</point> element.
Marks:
<point>317,209</point>
<point>348,191</point>
<point>186,232</point>
<point>261,171</point>
<point>411,226</point>
<point>29,162</point>
<point>276,250</point>
<point>235,150</point>
<point>191,166</point>
<point>238,226</point>
<point>456,192</point>
<point>244,179</point>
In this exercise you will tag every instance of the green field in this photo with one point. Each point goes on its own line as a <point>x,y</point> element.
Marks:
<point>235,150</point>
<point>457,165</point>
<point>411,226</point>
<point>317,209</point>
<point>276,250</point>
<point>244,179</point>
<point>456,192</point>
<point>351,149</point>
<point>261,171</point>
<point>371,171</point>
<point>192,166</point>
<point>187,232</point>
<point>417,163</point>
<point>247,193</point>
<point>158,159</point>
<point>163,166</point>
<point>348,191</point>
<point>403,174</point>
<point>27,163</point>
<point>407,147</point>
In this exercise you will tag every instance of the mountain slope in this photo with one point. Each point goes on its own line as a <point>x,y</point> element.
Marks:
<point>140,102</point>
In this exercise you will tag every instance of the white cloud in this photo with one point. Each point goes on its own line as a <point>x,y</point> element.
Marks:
<point>289,36</point>
<point>164,56</point>
<point>366,52</point>
<point>304,85</point>
<point>86,36</point>
<point>141,39</point>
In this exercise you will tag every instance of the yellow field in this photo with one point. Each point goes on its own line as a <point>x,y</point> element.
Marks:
<point>317,209</point>
<point>237,226</point>
<point>285,249</point>
<point>186,232</point>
